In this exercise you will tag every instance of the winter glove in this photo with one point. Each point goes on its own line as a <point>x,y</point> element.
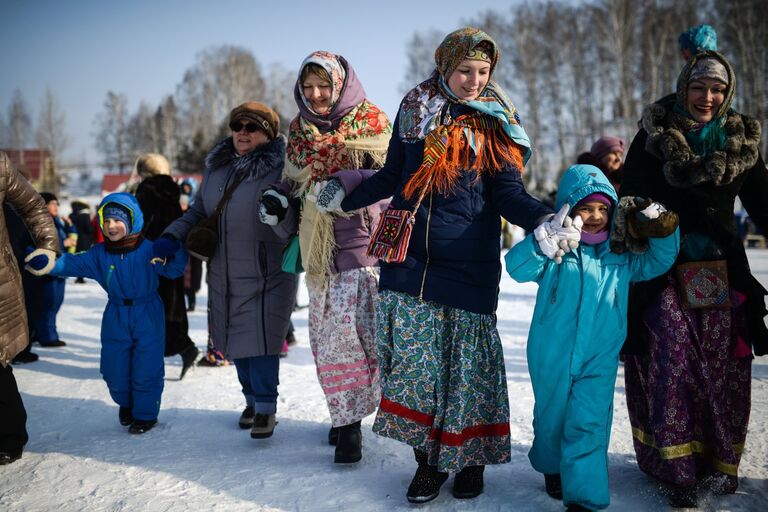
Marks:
<point>559,235</point>
<point>651,220</point>
<point>329,193</point>
<point>40,261</point>
<point>273,208</point>
<point>164,248</point>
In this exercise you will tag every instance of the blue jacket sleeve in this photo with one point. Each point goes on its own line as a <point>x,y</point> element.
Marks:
<point>513,202</point>
<point>525,262</point>
<point>661,254</point>
<point>82,264</point>
<point>175,266</point>
<point>384,183</point>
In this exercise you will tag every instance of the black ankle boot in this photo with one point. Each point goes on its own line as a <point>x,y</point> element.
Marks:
<point>553,485</point>
<point>682,497</point>
<point>468,483</point>
<point>126,416</point>
<point>427,481</point>
<point>349,444</point>
<point>333,436</point>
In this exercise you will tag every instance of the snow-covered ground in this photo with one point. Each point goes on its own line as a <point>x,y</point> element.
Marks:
<point>80,458</point>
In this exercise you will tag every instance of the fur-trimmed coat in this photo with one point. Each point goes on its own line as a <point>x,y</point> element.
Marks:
<point>27,203</point>
<point>250,297</point>
<point>661,165</point>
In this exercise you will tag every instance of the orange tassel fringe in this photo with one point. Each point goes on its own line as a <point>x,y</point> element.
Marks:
<point>447,153</point>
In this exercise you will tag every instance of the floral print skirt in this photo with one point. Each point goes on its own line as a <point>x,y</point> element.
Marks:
<point>689,397</point>
<point>444,386</point>
<point>342,335</point>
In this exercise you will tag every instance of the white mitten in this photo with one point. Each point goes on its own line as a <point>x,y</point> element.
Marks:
<point>652,211</point>
<point>559,235</point>
<point>329,193</point>
<point>569,234</point>
<point>40,262</point>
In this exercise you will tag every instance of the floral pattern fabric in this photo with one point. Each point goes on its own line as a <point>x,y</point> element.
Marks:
<point>342,319</point>
<point>689,398</point>
<point>444,387</point>
<point>326,153</point>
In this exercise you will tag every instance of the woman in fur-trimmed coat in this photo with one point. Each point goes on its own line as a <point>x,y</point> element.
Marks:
<point>250,297</point>
<point>688,369</point>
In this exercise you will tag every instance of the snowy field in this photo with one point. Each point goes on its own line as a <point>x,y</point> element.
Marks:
<point>79,458</point>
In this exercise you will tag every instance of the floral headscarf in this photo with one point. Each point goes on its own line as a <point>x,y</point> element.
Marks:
<point>424,115</point>
<point>347,91</point>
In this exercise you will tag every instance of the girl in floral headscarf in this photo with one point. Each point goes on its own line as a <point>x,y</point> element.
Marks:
<point>338,128</point>
<point>456,157</point>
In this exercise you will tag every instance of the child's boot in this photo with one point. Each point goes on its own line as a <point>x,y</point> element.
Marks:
<point>246,419</point>
<point>141,426</point>
<point>468,483</point>
<point>263,426</point>
<point>349,445</point>
<point>554,486</point>
<point>427,481</point>
<point>126,416</point>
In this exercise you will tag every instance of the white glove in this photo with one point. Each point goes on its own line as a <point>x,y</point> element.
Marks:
<point>652,211</point>
<point>559,235</point>
<point>273,207</point>
<point>40,266</point>
<point>329,194</point>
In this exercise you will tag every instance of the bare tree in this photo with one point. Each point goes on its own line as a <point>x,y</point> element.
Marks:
<point>141,132</point>
<point>279,94</point>
<point>112,135</point>
<point>19,123</point>
<point>421,58</point>
<point>52,127</point>
<point>166,124</point>
<point>222,78</point>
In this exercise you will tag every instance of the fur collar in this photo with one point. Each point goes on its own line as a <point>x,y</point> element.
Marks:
<point>683,168</point>
<point>258,162</point>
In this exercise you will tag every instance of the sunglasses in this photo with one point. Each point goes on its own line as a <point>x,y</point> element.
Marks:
<point>249,127</point>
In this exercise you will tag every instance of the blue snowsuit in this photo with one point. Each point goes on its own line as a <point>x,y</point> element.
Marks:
<point>133,325</point>
<point>577,330</point>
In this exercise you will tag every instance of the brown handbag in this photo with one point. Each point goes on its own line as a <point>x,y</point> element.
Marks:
<point>204,236</point>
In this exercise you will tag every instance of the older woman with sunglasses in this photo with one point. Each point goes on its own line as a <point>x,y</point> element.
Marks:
<point>250,297</point>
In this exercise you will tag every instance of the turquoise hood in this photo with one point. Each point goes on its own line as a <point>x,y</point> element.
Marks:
<point>581,180</point>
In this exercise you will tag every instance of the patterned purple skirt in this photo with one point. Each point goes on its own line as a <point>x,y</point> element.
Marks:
<point>689,397</point>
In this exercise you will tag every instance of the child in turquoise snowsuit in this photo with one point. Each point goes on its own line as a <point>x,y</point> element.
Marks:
<point>133,325</point>
<point>577,330</point>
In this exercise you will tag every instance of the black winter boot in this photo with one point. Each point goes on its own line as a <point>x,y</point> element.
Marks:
<point>246,419</point>
<point>468,483</point>
<point>333,436</point>
<point>682,497</point>
<point>141,426</point>
<point>554,486</point>
<point>125,415</point>
<point>427,481</point>
<point>349,444</point>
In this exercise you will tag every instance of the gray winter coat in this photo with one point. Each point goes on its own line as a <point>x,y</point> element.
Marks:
<point>250,297</point>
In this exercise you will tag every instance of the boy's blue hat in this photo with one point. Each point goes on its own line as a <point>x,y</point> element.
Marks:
<point>119,212</point>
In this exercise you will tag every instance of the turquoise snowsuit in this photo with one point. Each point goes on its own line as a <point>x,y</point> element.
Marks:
<point>578,327</point>
<point>133,324</point>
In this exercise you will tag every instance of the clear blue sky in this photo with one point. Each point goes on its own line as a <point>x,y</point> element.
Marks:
<point>83,48</point>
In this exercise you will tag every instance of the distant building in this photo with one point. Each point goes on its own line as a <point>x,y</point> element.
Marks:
<point>37,163</point>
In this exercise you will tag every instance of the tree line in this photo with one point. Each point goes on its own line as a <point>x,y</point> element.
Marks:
<point>575,73</point>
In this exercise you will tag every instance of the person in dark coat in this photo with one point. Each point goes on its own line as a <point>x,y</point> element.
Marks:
<point>158,196</point>
<point>48,291</point>
<point>17,192</point>
<point>693,331</point>
<point>250,297</point>
<point>81,219</point>
<point>456,159</point>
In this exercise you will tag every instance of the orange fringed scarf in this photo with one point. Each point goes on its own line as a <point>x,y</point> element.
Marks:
<point>447,153</point>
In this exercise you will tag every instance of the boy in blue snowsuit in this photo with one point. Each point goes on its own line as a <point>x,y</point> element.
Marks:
<point>133,325</point>
<point>579,326</point>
